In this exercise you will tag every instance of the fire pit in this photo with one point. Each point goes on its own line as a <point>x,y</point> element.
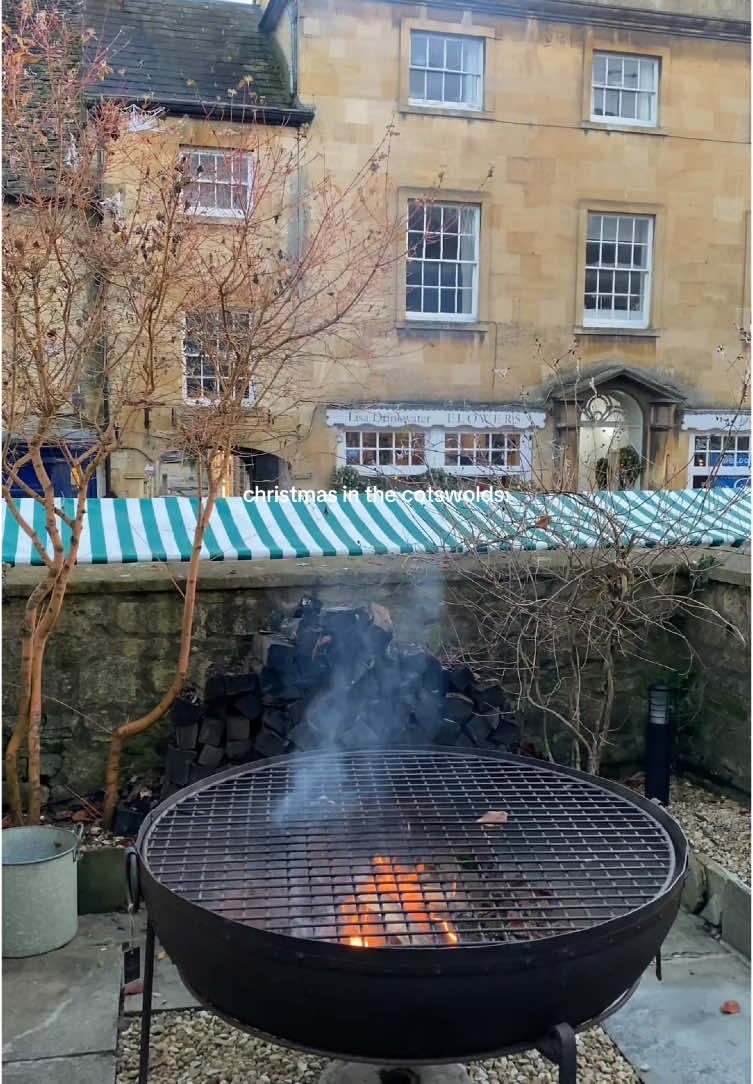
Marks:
<point>410,906</point>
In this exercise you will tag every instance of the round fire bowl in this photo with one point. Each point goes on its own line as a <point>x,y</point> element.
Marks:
<point>409,906</point>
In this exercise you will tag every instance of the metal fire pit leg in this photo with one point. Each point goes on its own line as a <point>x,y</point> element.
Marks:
<point>559,1047</point>
<point>146,1004</point>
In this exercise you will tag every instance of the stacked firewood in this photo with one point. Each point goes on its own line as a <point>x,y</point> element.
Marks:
<point>334,678</point>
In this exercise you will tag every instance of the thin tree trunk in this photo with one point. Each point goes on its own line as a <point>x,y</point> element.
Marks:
<point>138,726</point>
<point>21,728</point>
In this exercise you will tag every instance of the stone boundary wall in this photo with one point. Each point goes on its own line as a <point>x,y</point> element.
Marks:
<point>112,655</point>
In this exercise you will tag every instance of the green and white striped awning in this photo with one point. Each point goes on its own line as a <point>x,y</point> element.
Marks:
<point>161,529</point>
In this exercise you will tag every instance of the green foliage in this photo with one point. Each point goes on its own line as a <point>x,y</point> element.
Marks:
<point>629,468</point>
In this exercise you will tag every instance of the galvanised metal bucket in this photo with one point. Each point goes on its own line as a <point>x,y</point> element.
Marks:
<point>40,889</point>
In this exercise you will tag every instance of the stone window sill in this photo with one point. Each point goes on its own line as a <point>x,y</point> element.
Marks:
<point>440,111</point>
<point>619,332</point>
<point>630,129</point>
<point>431,328</point>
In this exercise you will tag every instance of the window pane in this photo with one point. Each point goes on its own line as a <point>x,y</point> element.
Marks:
<point>385,458</point>
<point>467,220</point>
<point>352,439</point>
<point>448,274</point>
<point>434,86</point>
<point>436,51</point>
<point>368,440</point>
<point>598,103</point>
<point>472,90</point>
<point>454,54</point>
<point>600,69</point>
<point>450,247</point>
<point>594,227</point>
<point>743,444</point>
<point>625,229</point>
<point>473,56</point>
<point>614,72</point>
<point>417,84</point>
<point>465,302</point>
<point>434,219</point>
<point>452,88</point>
<point>450,219</point>
<point>630,72</point>
<point>431,274</point>
<point>431,300</point>
<point>644,106</point>
<point>413,299</point>
<point>641,229</point>
<point>592,252</point>
<point>590,281</point>
<point>628,104</point>
<point>608,253</point>
<point>447,301</point>
<point>413,273</point>
<point>622,282</point>
<point>648,75</point>
<point>612,103</point>
<point>415,215</point>
<point>609,232</point>
<point>418,47</point>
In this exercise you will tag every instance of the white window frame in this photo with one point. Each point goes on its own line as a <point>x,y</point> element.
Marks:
<point>445,317</point>
<point>204,210</point>
<point>434,454</point>
<point>379,469</point>
<point>729,445</point>
<point>483,437</point>
<point>635,122</point>
<point>204,401</point>
<point>477,104</point>
<point>610,318</point>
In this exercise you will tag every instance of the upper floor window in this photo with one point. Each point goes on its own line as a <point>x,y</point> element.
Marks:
<point>219,181</point>
<point>618,270</point>
<point>401,448</point>
<point>215,348</point>
<point>446,69</point>
<point>442,265</point>
<point>625,88</point>
<point>478,449</point>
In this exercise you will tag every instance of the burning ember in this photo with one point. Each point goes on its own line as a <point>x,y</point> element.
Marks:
<point>396,905</point>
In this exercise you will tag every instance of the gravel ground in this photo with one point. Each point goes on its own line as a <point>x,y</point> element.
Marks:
<point>717,826</point>
<point>196,1047</point>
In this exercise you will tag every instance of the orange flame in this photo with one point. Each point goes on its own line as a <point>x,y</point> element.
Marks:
<point>393,906</point>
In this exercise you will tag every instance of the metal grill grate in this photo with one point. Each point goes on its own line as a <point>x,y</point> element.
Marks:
<point>386,849</point>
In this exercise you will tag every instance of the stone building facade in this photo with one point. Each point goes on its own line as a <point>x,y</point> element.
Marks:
<point>573,178</point>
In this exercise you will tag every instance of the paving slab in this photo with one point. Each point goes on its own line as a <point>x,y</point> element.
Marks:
<point>65,1003</point>
<point>80,1069</point>
<point>674,1031</point>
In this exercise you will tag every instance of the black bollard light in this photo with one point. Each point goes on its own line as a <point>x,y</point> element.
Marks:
<point>658,743</point>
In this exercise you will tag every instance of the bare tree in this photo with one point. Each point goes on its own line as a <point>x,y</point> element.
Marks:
<point>110,268</point>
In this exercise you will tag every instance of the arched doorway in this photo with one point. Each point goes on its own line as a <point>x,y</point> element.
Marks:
<point>609,422</point>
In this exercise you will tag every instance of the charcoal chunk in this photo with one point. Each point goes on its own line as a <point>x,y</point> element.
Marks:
<point>304,736</point>
<point>279,721</point>
<point>211,756</point>
<point>237,684</point>
<point>199,772</point>
<point>186,712</point>
<point>269,743</point>
<point>488,694</point>
<point>239,750</point>
<point>457,706</point>
<point>447,733</point>
<point>178,764</point>
<point>478,727</point>
<point>459,678</point>
<point>212,731</point>
<point>238,728</point>
<point>185,737</point>
<point>215,687</point>
<point>249,705</point>
<point>270,643</point>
